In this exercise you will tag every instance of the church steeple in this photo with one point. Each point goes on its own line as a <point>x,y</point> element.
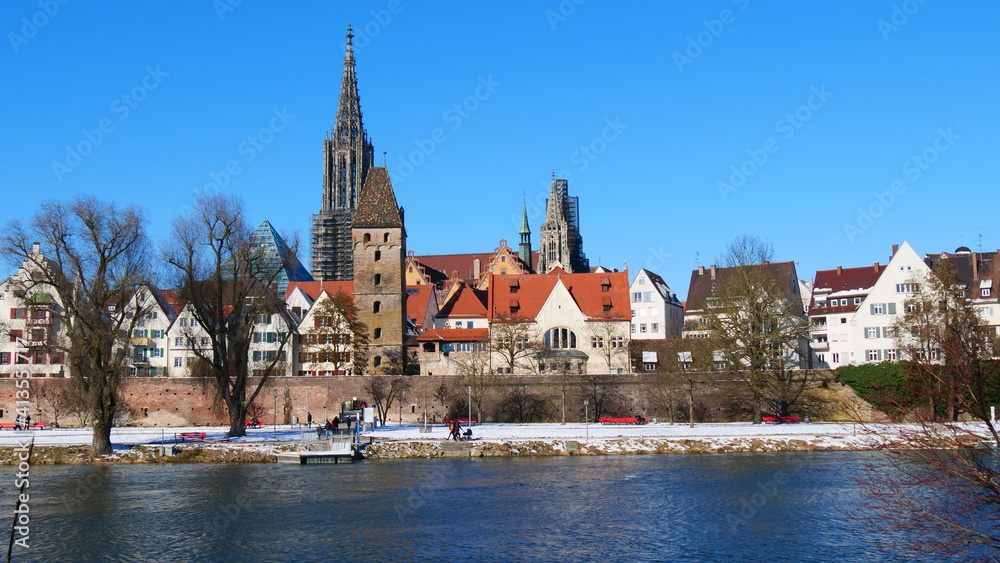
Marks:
<point>524,250</point>
<point>347,156</point>
<point>559,240</point>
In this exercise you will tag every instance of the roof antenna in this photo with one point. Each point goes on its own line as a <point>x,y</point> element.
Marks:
<point>383,160</point>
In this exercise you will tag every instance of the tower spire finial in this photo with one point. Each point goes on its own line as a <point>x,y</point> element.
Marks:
<point>350,37</point>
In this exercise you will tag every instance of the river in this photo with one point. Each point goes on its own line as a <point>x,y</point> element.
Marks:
<point>766,507</point>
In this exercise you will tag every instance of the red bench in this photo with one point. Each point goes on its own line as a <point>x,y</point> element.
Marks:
<point>462,421</point>
<point>779,419</point>
<point>629,420</point>
<point>34,425</point>
<point>192,436</point>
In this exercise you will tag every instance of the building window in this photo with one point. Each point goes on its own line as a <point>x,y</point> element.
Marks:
<point>184,321</point>
<point>385,237</point>
<point>367,238</point>
<point>906,287</point>
<point>649,367</point>
<point>596,342</point>
<point>821,358</point>
<point>843,302</point>
<point>560,338</point>
<point>377,361</point>
<point>873,355</point>
<point>377,334</point>
<point>890,354</point>
<point>378,279</point>
<point>642,328</point>
<point>986,292</point>
<point>836,357</point>
<point>617,341</point>
<point>654,327</point>
<point>871,332</point>
<point>857,300</point>
<point>843,320</point>
<point>637,297</point>
<point>378,255</point>
<point>376,306</point>
<point>178,362</point>
<point>633,328</point>
<point>179,341</point>
<point>878,308</point>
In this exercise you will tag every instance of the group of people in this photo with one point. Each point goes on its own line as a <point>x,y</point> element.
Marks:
<point>456,431</point>
<point>22,423</point>
<point>330,426</point>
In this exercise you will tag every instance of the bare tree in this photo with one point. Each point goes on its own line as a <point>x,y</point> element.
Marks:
<point>609,340</point>
<point>603,394</point>
<point>760,326</point>
<point>477,376</point>
<point>386,390</point>
<point>228,282</point>
<point>95,254</point>
<point>338,338</point>
<point>513,339</point>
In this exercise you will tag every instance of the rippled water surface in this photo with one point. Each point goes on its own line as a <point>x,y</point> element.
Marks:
<point>767,507</point>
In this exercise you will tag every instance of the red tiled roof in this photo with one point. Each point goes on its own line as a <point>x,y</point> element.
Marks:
<point>466,302</point>
<point>454,335</point>
<point>441,266</point>
<point>416,303</point>
<point>704,282</point>
<point>847,281</point>
<point>313,288</point>
<point>532,290</point>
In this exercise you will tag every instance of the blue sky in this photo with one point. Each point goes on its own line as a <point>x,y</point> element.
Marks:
<point>832,130</point>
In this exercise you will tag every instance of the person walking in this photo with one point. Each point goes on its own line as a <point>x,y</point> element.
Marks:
<point>309,419</point>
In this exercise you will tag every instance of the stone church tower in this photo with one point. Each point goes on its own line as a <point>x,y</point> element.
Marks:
<point>560,242</point>
<point>379,247</point>
<point>347,157</point>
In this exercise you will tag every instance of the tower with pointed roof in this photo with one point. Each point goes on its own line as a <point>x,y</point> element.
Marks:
<point>560,242</point>
<point>524,249</point>
<point>347,158</point>
<point>378,238</point>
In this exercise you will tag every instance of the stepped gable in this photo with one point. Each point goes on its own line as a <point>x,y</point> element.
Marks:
<point>377,206</point>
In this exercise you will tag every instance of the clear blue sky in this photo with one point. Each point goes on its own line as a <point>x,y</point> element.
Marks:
<point>666,97</point>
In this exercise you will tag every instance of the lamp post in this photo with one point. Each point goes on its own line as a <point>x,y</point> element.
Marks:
<point>275,429</point>
<point>470,405</point>
<point>586,416</point>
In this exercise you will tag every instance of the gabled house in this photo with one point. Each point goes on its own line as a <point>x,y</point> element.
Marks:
<point>31,324</point>
<point>150,335</point>
<point>656,311</point>
<point>836,297</point>
<point>579,323</point>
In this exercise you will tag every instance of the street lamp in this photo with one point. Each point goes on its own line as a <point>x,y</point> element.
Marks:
<point>275,430</point>
<point>586,416</point>
<point>470,405</point>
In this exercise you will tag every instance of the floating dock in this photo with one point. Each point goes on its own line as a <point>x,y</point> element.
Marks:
<point>341,452</point>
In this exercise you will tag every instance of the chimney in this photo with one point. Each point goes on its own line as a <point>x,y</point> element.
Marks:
<point>36,247</point>
<point>701,270</point>
<point>895,248</point>
<point>476,269</point>
<point>840,270</point>
<point>975,265</point>
<point>713,271</point>
<point>876,267</point>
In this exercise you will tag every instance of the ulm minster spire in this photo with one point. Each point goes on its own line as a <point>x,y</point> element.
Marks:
<point>347,157</point>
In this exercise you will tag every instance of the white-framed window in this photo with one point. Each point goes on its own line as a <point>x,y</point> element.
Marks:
<point>911,308</point>
<point>836,357</point>
<point>178,362</point>
<point>873,355</point>
<point>617,341</point>
<point>649,367</point>
<point>906,287</point>
<point>821,358</point>
<point>857,300</point>
<point>843,302</point>
<point>871,332</point>
<point>637,297</point>
<point>642,328</point>
<point>179,341</point>
<point>890,354</point>
<point>654,327</point>
<point>596,342</point>
<point>986,292</point>
<point>642,281</point>
<point>560,338</point>
<point>878,308</point>
<point>184,321</point>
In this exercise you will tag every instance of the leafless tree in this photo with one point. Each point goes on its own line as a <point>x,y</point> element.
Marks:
<point>386,390</point>
<point>760,327</point>
<point>609,340</point>
<point>228,281</point>
<point>603,394</point>
<point>513,339</point>
<point>338,337</point>
<point>477,376</point>
<point>93,254</point>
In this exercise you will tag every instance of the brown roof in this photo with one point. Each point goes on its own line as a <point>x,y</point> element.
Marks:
<point>466,302</point>
<point>528,292</point>
<point>844,281</point>
<point>454,335</point>
<point>377,206</point>
<point>703,283</point>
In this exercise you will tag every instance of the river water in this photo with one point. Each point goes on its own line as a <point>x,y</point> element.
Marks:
<point>752,507</point>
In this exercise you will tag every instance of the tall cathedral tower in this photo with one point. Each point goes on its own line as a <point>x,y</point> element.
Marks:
<point>379,240</point>
<point>560,242</point>
<point>347,157</point>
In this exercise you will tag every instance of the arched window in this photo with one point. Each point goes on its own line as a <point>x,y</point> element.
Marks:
<point>378,255</point>
<point>378,279</point>
<point>376,306</point>
<point>385,237</point>
<point>378,334</point>
<point>560,338</point>
<point>377,361</point>
<point>368,237</point>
